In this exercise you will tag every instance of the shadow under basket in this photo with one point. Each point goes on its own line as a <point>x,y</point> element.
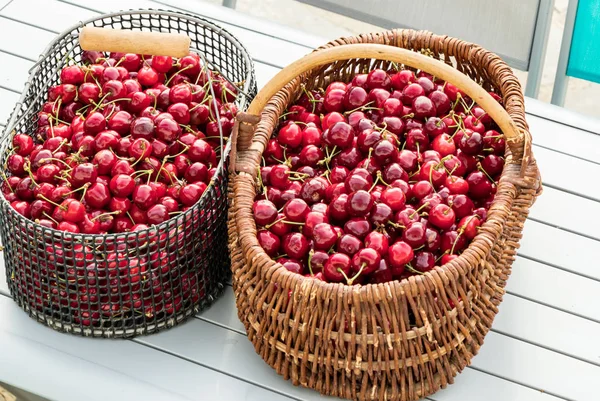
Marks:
<point>400,340</point>
<point>125,284</point>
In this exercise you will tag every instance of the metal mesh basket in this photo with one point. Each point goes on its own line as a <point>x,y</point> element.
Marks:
<point>126,284</point>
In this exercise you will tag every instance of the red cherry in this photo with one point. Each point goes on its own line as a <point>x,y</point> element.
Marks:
<point>147,76</point>
<point>82,174</point>
<point>22,144</point>
<point>337,268</point>
<point>399,254</point>
<point>88,93</point>
<point>348,244</point>
<point>414,234</point>
<point>156,214</point>
<point>295,245</point>
<point>359,227</point>
<point>191,193</point>
<point>365,261</point>
<point>142,127</point>
<point>94,123</point>
<point>394,198</point>
<point>424,261</point>
<point>68,227</point>
<point>97,196</point>
<point>140,149</point>
<point>377,241</point>
<point>296,210</point>
<point>292,265</point>
<point>121,205</point>
<point>324,236</point>
<point>264,212</point>
<point>359,203</point>
<point>122,167</point>
<point>452,242</point>
<point>73,210</point>
<point>199,151</point>
<point>469,226</point>
<point>269,242</point>
<point>383,274</point>
<point>492,164</point>
<point>479,185</point>
<point>144,196</point>
<point>442,216</point>
<point>341,134</point>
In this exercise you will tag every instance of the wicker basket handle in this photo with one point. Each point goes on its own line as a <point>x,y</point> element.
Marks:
<point>516,139</point>
<point>139,42</point>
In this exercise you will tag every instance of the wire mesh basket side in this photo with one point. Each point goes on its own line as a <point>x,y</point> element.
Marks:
<point>126,284</point>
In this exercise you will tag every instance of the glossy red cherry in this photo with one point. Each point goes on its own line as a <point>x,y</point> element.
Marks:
<point>399,254</point>
<point>337,268</point>
<point>191,193</point>
<point>264,212</point>
<point>479,185</point>
<point>269,242</point>
<point>144,196</point>
<point>359,203</point>
<point>73,210</point>
<point>84,173</point>
<point>348,244</point>
<point>359,227</point>
<point>97,196</point>
<point>295,245</point>
<point>324,236</point>
<point>156,214</point>
<point>442,216</point>
<point>377,241</point>
<point>365,261</point>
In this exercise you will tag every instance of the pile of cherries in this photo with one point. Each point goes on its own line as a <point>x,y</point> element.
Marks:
<point>377,179</point>
<point>122,143</point>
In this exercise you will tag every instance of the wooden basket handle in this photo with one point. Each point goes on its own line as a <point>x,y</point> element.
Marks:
<point>138,42</point>
<point>514,137</point>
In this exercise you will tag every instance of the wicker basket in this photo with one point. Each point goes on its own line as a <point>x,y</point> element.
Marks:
<point>357,342</point>
<point>168,272</point>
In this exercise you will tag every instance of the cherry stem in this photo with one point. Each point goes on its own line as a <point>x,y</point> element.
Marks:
<point>460,232</point>
<point>5,178</point>
<point>48,216</point>
<point>177,73</point>
<point>442,255</point>
<point>27,167</point>
<point>480,168</point>
<point>130,218</point>
<point>108,214</point>
<point>63,142</point>
<point>395,225</point>
<point>412,269</point>
<point>287,114</point>
<point>61,207</point>
<point>58,160</point>
<point>310,255</point>
<point>424,205</point>
<point>357,274</point>
<point>97,105</point>
<point>85,186</point>
<point>376,182</point>
<point>363,107</point>
<point>339,269</point>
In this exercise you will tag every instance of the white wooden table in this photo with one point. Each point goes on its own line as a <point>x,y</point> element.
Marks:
<point>545,342</point>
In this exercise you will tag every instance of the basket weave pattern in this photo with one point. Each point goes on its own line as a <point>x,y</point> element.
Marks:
<point>400,340</point>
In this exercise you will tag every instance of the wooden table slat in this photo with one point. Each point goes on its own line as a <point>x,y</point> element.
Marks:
<point>67,368</point>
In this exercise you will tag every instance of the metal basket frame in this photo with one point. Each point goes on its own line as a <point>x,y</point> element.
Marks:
<point>196,239</point>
